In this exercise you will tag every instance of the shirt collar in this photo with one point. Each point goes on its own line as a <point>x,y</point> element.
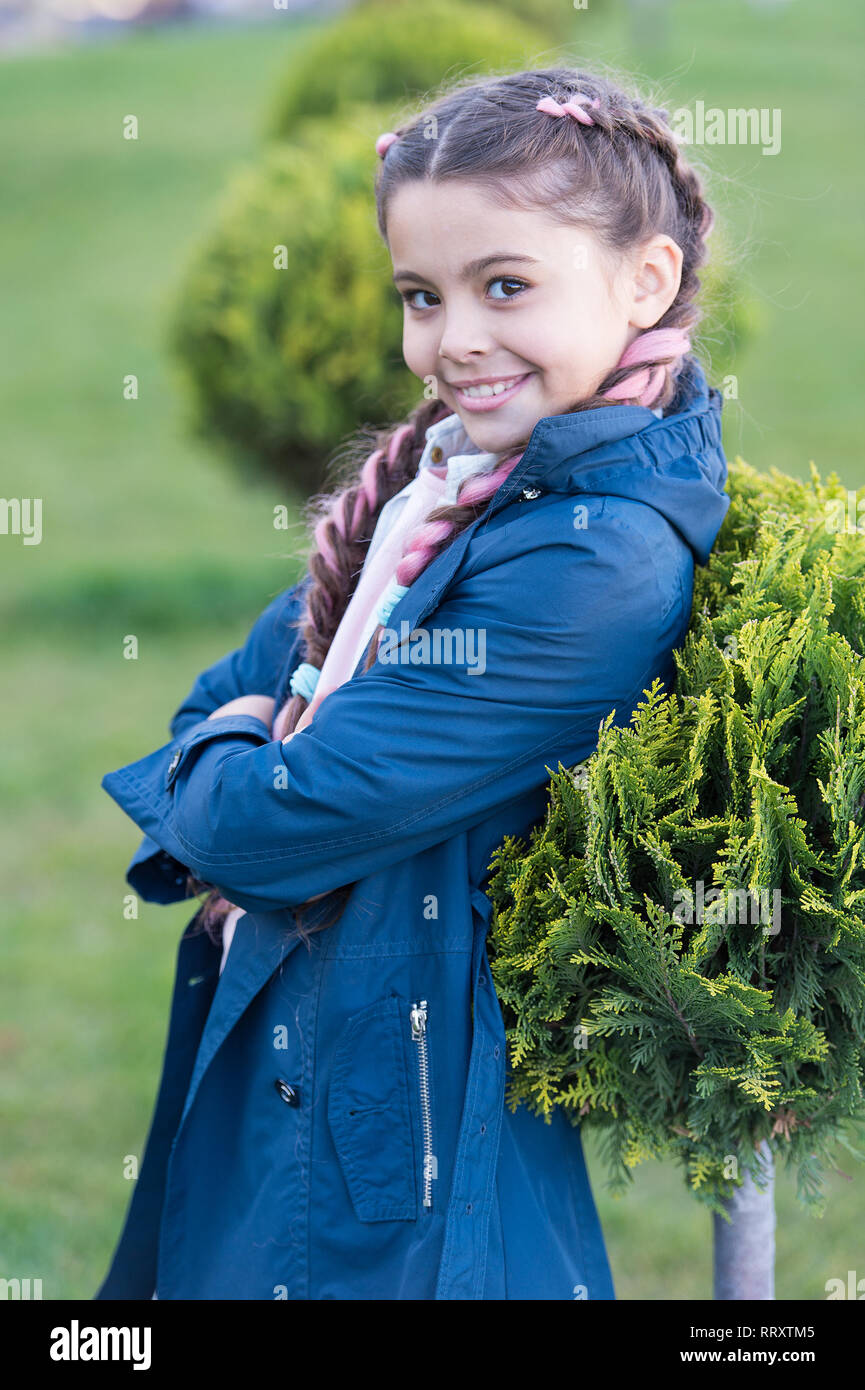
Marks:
<point>462,457</point>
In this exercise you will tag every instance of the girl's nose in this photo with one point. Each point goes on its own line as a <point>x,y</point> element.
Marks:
<point>465,337</point>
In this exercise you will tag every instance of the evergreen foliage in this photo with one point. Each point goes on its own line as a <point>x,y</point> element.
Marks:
<point>389,52</point>
<point>679,949</point>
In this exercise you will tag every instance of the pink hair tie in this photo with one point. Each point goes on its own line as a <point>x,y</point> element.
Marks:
<point>569,108</point>
<point>384,142</point>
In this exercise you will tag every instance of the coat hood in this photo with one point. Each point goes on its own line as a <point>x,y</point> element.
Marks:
<point>675,464</point>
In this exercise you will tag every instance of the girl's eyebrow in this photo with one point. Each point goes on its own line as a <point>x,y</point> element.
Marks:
<point>472,267</point>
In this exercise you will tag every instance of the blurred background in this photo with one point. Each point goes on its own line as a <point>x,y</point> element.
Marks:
<point>165,394</point>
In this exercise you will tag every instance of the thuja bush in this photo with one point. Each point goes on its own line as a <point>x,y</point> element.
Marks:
<point>388,51</point>
<point>679,948</point>
<point>286,326</point>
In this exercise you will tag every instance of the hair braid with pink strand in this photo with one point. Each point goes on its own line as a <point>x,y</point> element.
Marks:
<point>619,173</point>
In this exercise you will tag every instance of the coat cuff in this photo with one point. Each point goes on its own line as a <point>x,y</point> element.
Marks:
<point>143,789</point>
<point>205,731</point>
<point>156,876</point>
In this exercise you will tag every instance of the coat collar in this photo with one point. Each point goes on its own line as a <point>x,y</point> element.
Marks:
<point>449,440</point>
<point>675,464</point>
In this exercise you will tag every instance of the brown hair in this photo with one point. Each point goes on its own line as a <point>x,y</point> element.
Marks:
<point>623,178</point>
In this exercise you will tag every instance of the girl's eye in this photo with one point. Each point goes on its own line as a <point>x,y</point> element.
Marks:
<point>511,285</point>
<point>507,280</point>
<point>407,297</point>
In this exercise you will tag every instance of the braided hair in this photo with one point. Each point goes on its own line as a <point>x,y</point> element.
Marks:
<point>617,171</point>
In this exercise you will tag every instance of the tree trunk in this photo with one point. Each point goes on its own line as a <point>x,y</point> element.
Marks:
<point>744,1246</point>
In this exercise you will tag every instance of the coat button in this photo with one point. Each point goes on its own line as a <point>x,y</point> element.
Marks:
<point>288,1093</point>
<point>436,454</point>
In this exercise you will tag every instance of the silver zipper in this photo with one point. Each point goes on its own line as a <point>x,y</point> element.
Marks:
<point>418,1017</point>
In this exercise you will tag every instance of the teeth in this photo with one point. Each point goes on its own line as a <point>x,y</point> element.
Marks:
<point>495,389</point>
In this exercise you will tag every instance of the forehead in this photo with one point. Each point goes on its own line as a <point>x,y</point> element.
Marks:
<point>451,222</point>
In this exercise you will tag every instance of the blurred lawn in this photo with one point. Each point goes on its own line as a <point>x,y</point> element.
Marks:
<point>143,532</point>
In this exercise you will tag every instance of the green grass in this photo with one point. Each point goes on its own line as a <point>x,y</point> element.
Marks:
<point>145,532</point>
<point>97,231</point>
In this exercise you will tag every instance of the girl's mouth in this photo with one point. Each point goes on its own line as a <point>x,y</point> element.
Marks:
<point>492,395</point>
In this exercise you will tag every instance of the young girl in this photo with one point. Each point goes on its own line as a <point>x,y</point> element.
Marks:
<point>507,566</point>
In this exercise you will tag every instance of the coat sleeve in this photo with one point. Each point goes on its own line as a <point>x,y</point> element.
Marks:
<point>251,669</point>
<point>407,754</point>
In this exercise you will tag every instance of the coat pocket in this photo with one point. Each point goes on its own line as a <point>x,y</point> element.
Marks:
<point>369,1111</point>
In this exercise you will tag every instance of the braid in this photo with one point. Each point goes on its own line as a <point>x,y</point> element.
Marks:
<point>650,131</point>
<point>654,126</point>
<point>347,520</point>
<point>442,526</point>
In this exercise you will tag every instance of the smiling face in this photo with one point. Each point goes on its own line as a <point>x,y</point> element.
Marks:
<point>533,313</point>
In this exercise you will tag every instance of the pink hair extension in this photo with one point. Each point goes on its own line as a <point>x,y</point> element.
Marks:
<point>645,384</point>
<point>421,546</point>
<point>336,513</point>
<point>368,472</point>
<point>366,483</point>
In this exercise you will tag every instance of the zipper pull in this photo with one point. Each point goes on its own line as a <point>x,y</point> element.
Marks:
<point>418,1019</point>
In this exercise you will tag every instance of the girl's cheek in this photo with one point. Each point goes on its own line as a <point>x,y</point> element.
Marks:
<point>418,361</point>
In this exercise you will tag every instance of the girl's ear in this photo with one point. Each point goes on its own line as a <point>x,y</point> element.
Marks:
<point>656,280</point>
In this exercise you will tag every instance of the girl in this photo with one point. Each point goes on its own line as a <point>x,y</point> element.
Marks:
<point>331,1120</point>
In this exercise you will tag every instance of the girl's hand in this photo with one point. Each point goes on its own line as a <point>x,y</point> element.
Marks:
<point>260,706</point>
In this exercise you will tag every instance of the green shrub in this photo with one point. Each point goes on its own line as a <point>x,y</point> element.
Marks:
<point>691,1033</point>
<point>282,364</point>
<point>392,54</point>
<point>558,19</point>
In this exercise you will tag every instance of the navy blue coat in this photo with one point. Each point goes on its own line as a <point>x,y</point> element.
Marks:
<point>330,1121</point>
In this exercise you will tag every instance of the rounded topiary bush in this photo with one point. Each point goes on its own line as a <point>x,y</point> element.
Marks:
<point>558,21</point>
<point>383,52</point>
<point>287,325</point>
<point>679,950</point>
